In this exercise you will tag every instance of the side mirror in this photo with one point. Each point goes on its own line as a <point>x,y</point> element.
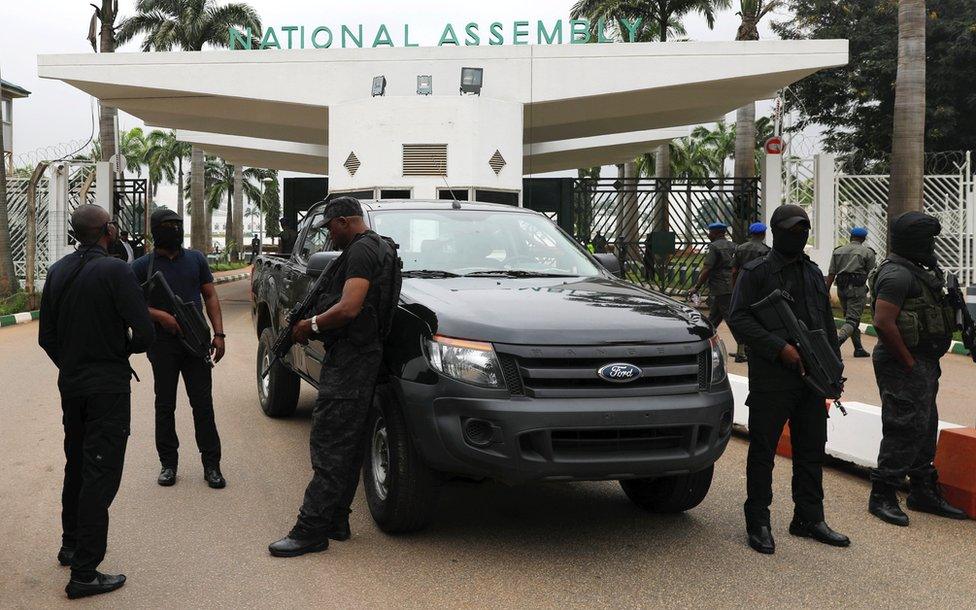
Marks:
<point>319,262</point>
<point>610,262</point>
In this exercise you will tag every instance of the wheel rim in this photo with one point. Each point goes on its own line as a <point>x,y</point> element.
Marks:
<point>264,383</point>
<point>380,458</point>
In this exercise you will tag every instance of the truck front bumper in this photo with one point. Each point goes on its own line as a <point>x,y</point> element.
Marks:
<point>483,433</point>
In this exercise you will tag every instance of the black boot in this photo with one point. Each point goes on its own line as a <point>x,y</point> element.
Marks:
<point>339,527</point>
<point>293,547</point>
<point>213,478</point>
<point>761,539</point>
<point>883,504</point>
<point>819,531</point>
<point>65,555</point>
<point>102,583</point>
<point>167,476</point>
<point>926,497</point>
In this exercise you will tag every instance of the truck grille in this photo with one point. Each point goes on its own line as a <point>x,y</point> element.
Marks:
<point>571,372</point>
<point>572,444</point>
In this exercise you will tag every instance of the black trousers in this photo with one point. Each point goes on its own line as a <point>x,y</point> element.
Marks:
<point>338,436</point>
<point>169,361</point>
<point>96,430</point>
<point>768,412</point>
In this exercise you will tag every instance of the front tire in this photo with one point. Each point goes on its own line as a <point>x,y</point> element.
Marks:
<point>401,490</point>
<point>278,392</point>
<point>674,494</point>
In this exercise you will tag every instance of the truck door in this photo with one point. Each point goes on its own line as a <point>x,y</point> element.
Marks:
<point>313,240</point>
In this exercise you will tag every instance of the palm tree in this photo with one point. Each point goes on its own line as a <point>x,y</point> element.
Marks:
<point>189,25</point>
<point>166,154</point>
<point>721,144</point>
<point>908,135</point>
<point>220,180</point>
<point>8,275</point>
<point>103,22</point>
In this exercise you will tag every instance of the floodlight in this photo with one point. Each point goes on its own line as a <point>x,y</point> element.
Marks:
<point>425,84</point>
<point>471,79</point>
<point>379,85</point>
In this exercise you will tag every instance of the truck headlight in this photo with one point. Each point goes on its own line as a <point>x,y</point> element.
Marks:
<point>469,361</point>
<point>718,355</point>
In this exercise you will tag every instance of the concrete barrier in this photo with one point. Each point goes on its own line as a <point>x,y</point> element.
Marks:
<point>955,460</point>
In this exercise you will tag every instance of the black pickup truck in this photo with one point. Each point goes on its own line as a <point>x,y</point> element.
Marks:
<point>515,355</point>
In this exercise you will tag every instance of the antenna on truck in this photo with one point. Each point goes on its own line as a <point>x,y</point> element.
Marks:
<point>457,204</point>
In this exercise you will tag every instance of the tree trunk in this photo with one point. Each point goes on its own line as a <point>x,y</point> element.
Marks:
<point>198,213</point>
<point>908,135</point>
<point>630,215</point>
<point>8,276</point>
<point>229,229</point>
<point>106,121</point>
<point>238,236</point>
<point>745,167</point>
<point>179,189</point>
<point>662,167</point>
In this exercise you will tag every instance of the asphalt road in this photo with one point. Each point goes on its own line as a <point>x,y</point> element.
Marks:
<point>545,545</point>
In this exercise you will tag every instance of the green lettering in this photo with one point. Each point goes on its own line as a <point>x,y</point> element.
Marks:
<point>290,29</point>
<point>601,30</point>
<point>270,39</point>
<point>302,36</point>
<point>577,28</point>
<point>383,32</point>
<point>358,40</point>
<point>496,34</point>
<point>315,35</point>
<point>548,37</point>
<point>517,32</point>
<point>445,39</point>
<point>235,38</point>
<point>473,38</point>
<point>406,37</point>
<point>631,27</point>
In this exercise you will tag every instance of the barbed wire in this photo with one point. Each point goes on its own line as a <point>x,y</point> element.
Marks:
<point>61,150</point>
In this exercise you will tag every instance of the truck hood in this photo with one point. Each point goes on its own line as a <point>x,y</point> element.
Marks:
<point>551,311</point>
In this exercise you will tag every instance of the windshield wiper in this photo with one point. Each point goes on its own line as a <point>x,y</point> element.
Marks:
<point>515,273</point>
<point>429,273</point>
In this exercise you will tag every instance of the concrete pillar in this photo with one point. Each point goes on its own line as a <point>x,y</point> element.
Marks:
<point>58,214</point>
<point>772,185</point>
<point>824,208</point>
<point>104,177</point>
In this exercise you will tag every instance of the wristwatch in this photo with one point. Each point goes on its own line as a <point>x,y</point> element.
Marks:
<point>221,335</point>
<point>315,325</point>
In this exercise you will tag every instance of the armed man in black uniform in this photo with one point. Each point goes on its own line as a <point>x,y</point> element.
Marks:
<point>91,302</point>
<point>749,250</point>
<point>915,324</point>
<point>360,293</point>
<point>777,392</point>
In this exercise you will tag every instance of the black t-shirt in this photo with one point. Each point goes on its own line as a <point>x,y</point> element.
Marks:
<point>894,284</point>
<point>363,259</point>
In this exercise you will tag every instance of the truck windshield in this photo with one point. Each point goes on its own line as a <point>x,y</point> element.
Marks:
<point>474,242</point>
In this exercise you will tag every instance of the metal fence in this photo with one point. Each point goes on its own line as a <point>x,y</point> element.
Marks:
<point>17,202</point>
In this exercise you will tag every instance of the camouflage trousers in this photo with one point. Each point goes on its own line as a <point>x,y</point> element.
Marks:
<point>719,307</point>
<point>338,435</point>
<point>852,301</point>
<point>909,420</point>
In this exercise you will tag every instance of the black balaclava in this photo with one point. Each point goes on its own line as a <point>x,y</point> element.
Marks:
<point>785,241</point>
<point>168,237</point>
<point>913,236</point>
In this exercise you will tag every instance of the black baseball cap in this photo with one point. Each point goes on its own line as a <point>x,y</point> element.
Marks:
<point>162,215</point>
<point>786,216</point>
<point>341,206</point>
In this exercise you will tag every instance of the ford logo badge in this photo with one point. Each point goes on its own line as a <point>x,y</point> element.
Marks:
<point>619,372</point>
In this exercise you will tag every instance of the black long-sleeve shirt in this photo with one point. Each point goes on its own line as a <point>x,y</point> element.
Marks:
<point>84,326</point>
<point>804,281</point>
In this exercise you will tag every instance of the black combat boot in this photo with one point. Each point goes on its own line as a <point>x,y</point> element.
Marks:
<point>926,497</point>
<point>293,547</point>
<point>860,352</point>
<point>761,539</point>
<point>167,476</point>
<point>883,504</point>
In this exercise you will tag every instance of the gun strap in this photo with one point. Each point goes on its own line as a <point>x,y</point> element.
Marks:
<point>71,280</point>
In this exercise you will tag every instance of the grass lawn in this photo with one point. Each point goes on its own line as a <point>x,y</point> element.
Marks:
<point>228,266</point>
<point>14,304</point>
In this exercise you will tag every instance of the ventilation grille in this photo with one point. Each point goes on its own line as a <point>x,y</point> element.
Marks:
<point>425,159</point>
<point>497,162</point>
<point>352,164</point>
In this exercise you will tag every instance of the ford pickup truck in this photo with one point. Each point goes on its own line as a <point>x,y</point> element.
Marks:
<point>515,355</point>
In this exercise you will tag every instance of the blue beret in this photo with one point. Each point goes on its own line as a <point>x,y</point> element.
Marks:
<point>717,226</point>
<point>859,232</point>
<point>756,228</point>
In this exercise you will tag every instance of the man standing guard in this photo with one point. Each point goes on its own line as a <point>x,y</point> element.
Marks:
<point>717,271</point>
<point>755,247</point>
<point>360,294</point>
<point>188,275</point>
<point>286,241</point>
<point>777,392</point>
<point>915,325</point>
<point>90,300</point>
<point>849,268</point>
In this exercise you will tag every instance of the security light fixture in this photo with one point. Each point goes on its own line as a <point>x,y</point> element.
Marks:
<point>425,84</point>
<point>379,85</point>
<point>471,79</point>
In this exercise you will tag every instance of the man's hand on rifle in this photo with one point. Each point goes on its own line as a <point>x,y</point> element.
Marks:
<point>791,359</point>
<point>166,320</point>
<point>301,332</point>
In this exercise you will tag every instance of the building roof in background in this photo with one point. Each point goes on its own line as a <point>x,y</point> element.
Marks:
<point>13,90</point>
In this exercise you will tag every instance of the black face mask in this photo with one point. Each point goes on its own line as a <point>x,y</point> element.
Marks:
<point>789,243</point>
<point>169,238</point>
<point>913,236</point>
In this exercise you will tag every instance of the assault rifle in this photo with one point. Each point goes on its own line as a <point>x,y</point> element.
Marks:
<point>963,319</point>
<point>194,331</point>
<point>824,370</point>
<point>303,309</point>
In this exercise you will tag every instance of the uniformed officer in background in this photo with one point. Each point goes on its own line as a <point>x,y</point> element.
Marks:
<point>365,279</point>
<point>915,325</point>
<point>849,268</point>
<point>717,271</point>
<point>89,303</point>
<point>777,392</point>
<point>749,250</point>
<point>286,241</point>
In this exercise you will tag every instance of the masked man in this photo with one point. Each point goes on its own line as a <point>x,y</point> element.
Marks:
<point>777,392</point>
<point>915,325</point>
<point>188,275</point>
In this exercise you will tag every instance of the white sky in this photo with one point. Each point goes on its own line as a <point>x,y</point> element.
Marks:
<point>57,114</point>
